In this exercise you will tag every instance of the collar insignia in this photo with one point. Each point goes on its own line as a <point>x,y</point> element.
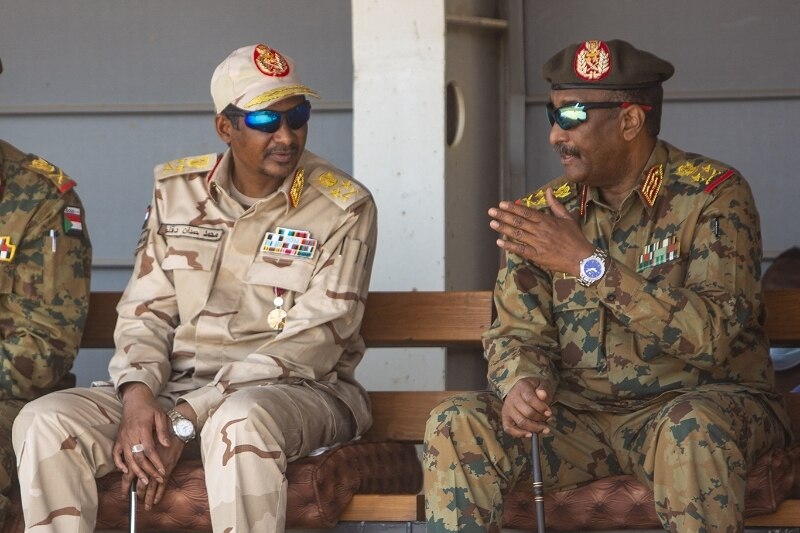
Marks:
<point>584,197</point>
<point>296,190</point>
<point>651,184</point>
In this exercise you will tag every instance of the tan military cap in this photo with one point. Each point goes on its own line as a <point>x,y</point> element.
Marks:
<point>610,65</point>
<point>255,77</point>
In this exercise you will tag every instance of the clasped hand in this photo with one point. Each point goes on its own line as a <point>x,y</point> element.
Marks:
<point>142,420</point>
<point>553,242</point>
<point>526,408</point>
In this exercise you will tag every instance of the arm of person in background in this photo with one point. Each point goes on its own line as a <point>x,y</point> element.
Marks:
<point>44,287</point>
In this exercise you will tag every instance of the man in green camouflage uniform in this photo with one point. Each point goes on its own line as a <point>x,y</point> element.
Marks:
<point>45,264</point>
<point>629,331</point>
<point>240,323</point>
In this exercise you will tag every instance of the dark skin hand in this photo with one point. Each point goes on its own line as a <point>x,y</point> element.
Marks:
<point>526,409</point>
<point>145,422</point>
<point>553,242</point>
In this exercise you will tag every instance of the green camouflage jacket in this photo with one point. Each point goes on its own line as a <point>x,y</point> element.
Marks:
<point>680,307</point>
<point>45,265</point>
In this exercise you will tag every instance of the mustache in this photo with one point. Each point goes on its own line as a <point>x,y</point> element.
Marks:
<point>564,150</point>
<point>281,149</point>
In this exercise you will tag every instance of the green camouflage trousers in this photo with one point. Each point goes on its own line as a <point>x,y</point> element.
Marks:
<point>693,450</point>
<point>8,463</point>
<point>64,440</point>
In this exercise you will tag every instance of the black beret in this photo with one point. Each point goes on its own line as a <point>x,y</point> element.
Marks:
<point>605,65</point>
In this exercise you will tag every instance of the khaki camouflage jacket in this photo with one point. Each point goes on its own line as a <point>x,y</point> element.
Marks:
<point>45,266</point>
<point>193,321</point>
<point>680,307</point>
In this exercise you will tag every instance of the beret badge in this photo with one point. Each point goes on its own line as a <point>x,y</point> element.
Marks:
<point>592,60</point>
<point>270,61</point>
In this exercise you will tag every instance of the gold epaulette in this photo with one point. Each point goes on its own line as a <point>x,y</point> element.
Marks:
<point>563,192</point>
<point>342,190</point>
<point>705,174</point>
<point>187,165</point>
<point>42,167</point>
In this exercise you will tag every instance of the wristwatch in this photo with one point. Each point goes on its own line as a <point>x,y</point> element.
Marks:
<point>182,427</point>
<point>593,268</point>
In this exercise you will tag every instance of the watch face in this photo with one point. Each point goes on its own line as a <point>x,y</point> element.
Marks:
<point>183,428</point>
<point>593,268</point>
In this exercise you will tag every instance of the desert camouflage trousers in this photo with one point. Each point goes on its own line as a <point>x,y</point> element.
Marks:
<point>692,451</point>
<point>64,440</point>
<point>8,412</point>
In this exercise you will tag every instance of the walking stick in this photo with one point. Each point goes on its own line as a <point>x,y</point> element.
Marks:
<point>132,507</point>
<point>538,491</point>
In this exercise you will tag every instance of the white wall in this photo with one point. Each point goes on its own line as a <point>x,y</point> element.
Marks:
<point>398,140</point>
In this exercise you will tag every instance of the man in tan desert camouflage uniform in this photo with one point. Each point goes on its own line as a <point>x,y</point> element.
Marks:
<point>629,330</point>
<point>240,322</point>
<point>45,265</point>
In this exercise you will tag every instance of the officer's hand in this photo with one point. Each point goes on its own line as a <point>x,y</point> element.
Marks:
<point>142,419</point>
<point>154,491</point>
<point>526,409</point>
<point>553,242</point>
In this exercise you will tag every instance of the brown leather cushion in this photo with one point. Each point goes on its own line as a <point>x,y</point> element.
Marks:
<point>622,502</point>
<point>319,484</point>
<point>319,488</point>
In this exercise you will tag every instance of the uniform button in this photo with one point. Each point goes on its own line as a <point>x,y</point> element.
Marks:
<point>611,297</point>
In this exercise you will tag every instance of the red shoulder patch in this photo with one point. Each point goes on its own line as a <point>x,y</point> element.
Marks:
<point>725,175</point>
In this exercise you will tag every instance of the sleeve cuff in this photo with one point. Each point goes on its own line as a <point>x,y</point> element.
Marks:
<point>203,401</point>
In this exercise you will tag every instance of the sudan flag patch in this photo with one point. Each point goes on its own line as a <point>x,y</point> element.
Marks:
<point>73,224</point>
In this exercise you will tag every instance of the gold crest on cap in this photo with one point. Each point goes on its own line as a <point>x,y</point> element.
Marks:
<point>592,60</point>
<point>270,61</point>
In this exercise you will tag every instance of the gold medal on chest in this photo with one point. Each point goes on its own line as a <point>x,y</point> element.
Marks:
<point>277,317</point>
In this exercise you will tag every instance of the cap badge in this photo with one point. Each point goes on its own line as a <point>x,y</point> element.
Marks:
<point>270,62</point>
<point>592,60</point>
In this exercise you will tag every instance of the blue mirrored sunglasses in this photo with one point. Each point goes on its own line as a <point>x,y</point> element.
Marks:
<point>572,115</point>
<point>269,121</point>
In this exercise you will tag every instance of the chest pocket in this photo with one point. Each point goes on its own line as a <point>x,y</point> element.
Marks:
<point>579,318</point>
<point>290,275</point>
<point>191,255</point>
<point>672,273</point>
<point>190,263</point>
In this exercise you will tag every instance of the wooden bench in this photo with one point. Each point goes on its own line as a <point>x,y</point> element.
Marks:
<point>453,319</point>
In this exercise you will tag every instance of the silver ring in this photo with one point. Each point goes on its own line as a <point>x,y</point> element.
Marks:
<point>137,448</point>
